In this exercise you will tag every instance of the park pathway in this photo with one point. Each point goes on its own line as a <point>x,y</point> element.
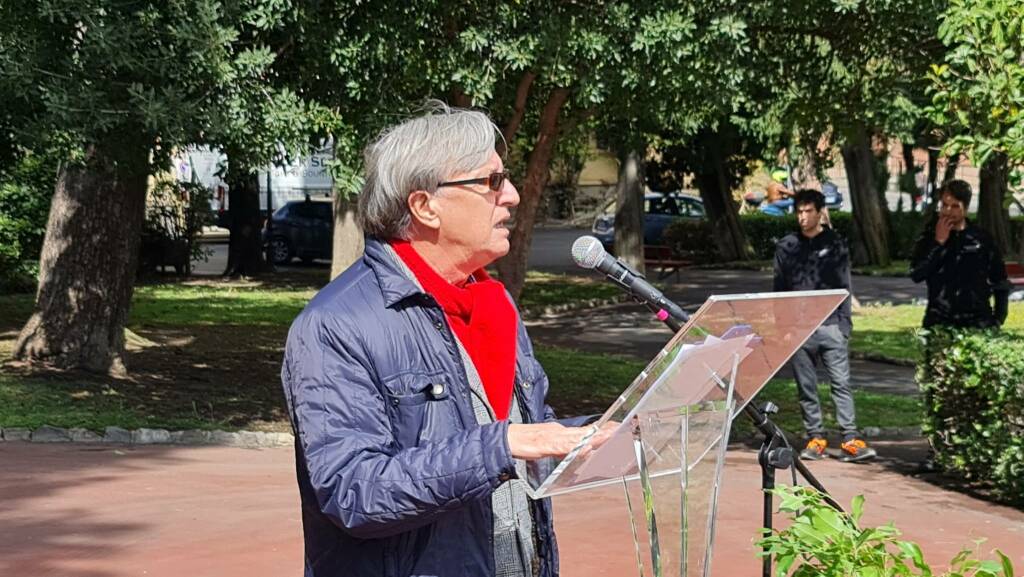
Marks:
<point>629,329</point>
<point>168,511</point>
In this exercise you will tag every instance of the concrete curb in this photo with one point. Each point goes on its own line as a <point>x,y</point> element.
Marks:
<point>119,436</point>
<point>882,359</point>
<point>254,439</point>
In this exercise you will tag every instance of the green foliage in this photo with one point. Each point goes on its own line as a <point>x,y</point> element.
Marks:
<point>973,385</point>
<point>25,193</point>
<point>153,76</point>
<point>176,213</point>
<point>904,230</point>
<point>830,68</point>
<point>823,542</point>
<point>694,240</point>
<point>762,231</point>
<point>888,331</point>
<point>976,96</point>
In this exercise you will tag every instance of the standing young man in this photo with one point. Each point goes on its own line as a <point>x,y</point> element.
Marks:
<point>962,267</point>
<point>815,258</point>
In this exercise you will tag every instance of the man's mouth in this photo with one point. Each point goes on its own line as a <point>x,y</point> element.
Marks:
<point>506,223</point>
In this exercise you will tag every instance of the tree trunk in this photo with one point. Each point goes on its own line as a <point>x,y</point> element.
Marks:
<point>512,268</point>
<point>88,262</point>
<point>992,213</point>
<point>720,206</point>
<point>518,111</point>
<point>951,165</point>
<point>933,174</point>
<point>910,174</point>
<point>629,212</point>
<point>348,237</point>
<point>245,254</point>
<point>871,227</point>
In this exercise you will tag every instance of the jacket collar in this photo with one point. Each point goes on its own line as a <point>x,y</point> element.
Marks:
<point>825,235</point>
<point>395,284</point>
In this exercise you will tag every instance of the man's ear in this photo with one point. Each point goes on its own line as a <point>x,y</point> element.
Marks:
<point>423,208</point>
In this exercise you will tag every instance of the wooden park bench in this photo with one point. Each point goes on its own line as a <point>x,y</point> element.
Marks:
<point>1015,274</point>
<point>662,259</point>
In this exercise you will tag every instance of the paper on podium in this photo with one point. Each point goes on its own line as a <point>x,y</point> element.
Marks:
<point>704,376</point>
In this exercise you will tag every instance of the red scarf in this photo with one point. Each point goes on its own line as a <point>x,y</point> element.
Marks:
<point>483,319</point>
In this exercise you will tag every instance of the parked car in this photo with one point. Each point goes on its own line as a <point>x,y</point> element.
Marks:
<point>300,228</point>
<point>833,198</point>
<point>660,209</point>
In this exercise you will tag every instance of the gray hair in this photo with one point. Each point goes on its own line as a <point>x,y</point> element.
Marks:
<point>416,155</point>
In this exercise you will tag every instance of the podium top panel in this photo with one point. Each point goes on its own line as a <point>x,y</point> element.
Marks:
<point>732,345</point>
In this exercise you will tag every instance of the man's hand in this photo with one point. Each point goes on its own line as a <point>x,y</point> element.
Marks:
<point>942,228</point>
<point>540,440</point>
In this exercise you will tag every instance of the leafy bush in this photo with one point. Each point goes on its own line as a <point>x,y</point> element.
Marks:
<point>823,542</point>
<point>694,239</point>
<point>904,228</point>
<point>25,193</point>
<point>973,387</point>
<point>175,215</point>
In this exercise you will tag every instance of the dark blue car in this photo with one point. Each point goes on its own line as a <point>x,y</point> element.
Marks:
<point>301,228</point>
<point>660,209</point>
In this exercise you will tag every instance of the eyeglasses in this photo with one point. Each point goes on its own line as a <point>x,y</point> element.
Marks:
<point>494,181</point>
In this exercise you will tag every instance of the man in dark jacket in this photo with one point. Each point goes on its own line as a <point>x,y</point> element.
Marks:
<point>411,383</point>
<point>962,267</point>
<point>815,258</point>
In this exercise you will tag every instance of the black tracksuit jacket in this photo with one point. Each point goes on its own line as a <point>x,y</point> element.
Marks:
<point>962,276</point>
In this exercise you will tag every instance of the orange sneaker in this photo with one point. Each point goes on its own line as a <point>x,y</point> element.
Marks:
<point>815,449</point>
<point>856,450</point>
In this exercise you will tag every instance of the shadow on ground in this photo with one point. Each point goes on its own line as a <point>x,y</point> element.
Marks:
<point>42,535</point>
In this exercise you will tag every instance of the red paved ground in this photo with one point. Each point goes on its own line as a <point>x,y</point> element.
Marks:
<point>69,510</point>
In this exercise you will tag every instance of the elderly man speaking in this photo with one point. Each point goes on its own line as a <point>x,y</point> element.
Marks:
<point>411,383</point>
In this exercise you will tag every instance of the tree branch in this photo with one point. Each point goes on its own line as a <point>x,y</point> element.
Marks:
<point>519,109</point>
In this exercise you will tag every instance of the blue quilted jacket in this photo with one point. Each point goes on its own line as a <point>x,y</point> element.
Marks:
<point>395,475</point>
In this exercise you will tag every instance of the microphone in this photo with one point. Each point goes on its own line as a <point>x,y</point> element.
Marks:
<point>588,253</point>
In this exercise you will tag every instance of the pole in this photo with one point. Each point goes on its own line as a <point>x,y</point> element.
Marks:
<point>268,250</point>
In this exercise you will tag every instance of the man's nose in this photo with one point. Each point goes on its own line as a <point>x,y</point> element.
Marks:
<point>508,196</point>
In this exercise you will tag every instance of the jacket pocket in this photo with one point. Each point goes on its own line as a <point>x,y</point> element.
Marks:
<point>421,408</point>
<point>532,388</point>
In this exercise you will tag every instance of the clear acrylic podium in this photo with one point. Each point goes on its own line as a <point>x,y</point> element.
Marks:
<point>671,425</point>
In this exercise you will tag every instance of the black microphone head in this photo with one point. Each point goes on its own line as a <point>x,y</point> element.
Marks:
<point>587,251</point>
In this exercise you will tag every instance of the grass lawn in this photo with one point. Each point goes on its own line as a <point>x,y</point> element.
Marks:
<point>216,357</point>
<point>587,383</point>
<point>582,383</point>
<point>32,402</point>
<point>894,268</point>
<point>544,289</point>
<point>890,331</point>
<point>210,356</point>
<point>257,304</point>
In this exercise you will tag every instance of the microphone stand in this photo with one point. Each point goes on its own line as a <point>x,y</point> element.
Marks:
<point>775,452</point>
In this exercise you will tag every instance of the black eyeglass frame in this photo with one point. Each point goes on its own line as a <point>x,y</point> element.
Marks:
<point>500,177</point>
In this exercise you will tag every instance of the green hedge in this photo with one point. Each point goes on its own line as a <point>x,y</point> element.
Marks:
<point>693,239</point>
<point>25,192</point>
<point>973,387</point>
